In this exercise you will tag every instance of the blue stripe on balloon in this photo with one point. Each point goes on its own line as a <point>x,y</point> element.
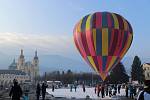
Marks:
<point>104,19</point>
<point>83,24</point>
<point>98,42</point>
<point>104,58</point>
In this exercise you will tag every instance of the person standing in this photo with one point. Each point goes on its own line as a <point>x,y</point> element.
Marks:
<point>83,86</point>
<point>106,87</point>
<point>131,91</point>
<point>103,91</point>
<point>71,87</point>
<point>95,88</point>
<point>38,91</point>
<point>75,87</point>
<point>16,91</point>
<point>115,89</point>
<point>119,87</point>
<point>53,87</point>
<point>126,90</point>
<point>145,94</point>
<point>98,90</point>
<point>44,86</point>
<point>110,91</point>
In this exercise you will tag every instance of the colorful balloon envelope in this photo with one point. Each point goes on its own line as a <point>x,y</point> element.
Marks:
<point>103,38</point>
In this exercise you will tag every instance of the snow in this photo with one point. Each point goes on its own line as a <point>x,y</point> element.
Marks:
<point>64,92</point>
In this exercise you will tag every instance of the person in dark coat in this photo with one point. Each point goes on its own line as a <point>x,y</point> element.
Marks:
<point>126,90</point>
<point>53,87</point>
<point>38,91</point>
<point>83,86</point>
<point>44,86</point>
<point>16,91</point>
<point>103,91</point>
<point>106,87</point>
<point>98,89</point>
<point>119,87</point>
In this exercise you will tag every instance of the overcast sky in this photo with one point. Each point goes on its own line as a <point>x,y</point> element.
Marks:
<point>47,25</point>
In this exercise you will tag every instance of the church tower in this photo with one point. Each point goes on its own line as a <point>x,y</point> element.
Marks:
<point>36,65</point>
<point>21,61</point>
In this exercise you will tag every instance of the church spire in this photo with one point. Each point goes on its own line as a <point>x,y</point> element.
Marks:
<point>36,57</point>
<point>36,53</point>
<point>21,51</point>
<point>21,55</point>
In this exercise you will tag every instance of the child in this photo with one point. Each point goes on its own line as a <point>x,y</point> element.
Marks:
<point>26,97</point>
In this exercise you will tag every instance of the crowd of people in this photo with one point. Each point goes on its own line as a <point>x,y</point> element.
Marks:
<point>107,90</point>
<point>101,90</point>
<point>16,91</point>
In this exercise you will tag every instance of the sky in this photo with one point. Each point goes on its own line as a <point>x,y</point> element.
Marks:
<point>47,25</point>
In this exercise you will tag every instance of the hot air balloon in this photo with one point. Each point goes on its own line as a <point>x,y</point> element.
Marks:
<point>103,38</point>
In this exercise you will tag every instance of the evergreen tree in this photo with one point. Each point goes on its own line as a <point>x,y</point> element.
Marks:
<point>136,70</point>
<point>118,74</point>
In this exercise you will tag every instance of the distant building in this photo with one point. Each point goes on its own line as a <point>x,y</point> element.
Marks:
<point>30,67</point>
<point>146,68</point>
<point>7,77</point>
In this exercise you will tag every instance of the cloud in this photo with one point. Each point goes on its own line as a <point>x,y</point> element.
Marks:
<point>44,43</point>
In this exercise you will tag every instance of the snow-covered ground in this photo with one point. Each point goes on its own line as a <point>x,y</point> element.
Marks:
<point>79,93</point>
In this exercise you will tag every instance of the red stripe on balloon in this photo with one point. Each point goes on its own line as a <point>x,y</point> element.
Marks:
<point>121,42</point>
<point>111,42</point>
<point>98,20</point>
<point>89,38</point>
<point>114,42</point>
<point>96,62</point>
<point>118,43</point>
<point>121,24</point>
<point>99,59</point>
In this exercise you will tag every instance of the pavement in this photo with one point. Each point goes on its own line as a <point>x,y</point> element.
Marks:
<point>4,95</point>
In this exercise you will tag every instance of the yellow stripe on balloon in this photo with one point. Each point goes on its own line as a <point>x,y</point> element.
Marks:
<point>104,41</point>
<point>92,63</point>
<point>94,38</point>
<point>88,22</point>
<point>127,46</point>
<point>111,62</point>
<point>116,23</point>
<point>79,26</point>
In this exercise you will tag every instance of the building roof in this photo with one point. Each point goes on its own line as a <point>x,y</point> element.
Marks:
<point>13,65</point>
<point>16,72</point>
<point>148,63</point>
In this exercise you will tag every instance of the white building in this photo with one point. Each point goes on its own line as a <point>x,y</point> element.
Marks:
<point>7,77</point>
<point>146,68</point>
<point>30,67</point>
